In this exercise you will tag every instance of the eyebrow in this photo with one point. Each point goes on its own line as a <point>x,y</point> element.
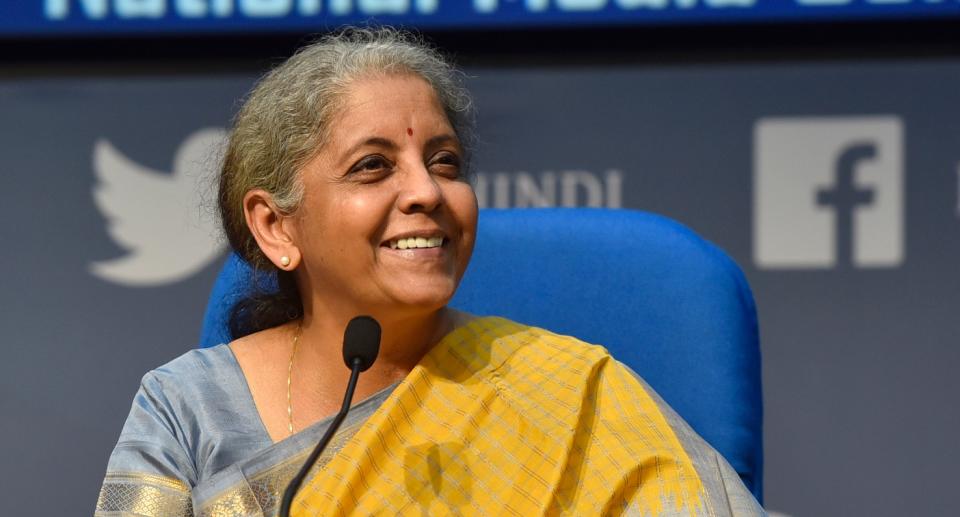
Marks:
<point>443,139</point>
<point>375,141</point>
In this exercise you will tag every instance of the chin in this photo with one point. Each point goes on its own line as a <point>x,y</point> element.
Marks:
<point>426,298</point>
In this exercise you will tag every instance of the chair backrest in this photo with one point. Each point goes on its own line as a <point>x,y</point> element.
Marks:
<point>664,301</point>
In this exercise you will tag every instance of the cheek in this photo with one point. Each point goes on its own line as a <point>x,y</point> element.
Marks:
<point>327,222</point>
<point>463,205</point>
<point>362,214</point>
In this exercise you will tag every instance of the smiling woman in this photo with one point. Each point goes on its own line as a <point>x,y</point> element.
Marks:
<point>371,191</point>
<point>346,177</point>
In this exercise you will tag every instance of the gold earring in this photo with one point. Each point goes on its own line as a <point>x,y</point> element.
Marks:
<point>284,261</point>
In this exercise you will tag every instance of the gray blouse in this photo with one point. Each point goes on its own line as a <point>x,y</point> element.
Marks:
<point>194,420</point>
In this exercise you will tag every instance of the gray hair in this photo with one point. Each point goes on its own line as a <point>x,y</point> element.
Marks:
<point>286,119</point>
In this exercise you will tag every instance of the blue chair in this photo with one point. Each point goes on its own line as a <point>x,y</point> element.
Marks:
<point>664,301</point>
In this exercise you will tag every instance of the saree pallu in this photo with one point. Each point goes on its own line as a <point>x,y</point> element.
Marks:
<point>497,419</point>
<point>507,419</point>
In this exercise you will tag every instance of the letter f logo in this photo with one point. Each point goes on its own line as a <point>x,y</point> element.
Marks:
<point>828,192</point>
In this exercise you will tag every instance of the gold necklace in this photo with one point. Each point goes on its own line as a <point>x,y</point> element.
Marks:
<point>296,339</point>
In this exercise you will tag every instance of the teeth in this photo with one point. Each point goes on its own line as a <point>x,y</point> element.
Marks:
<point>416,242</point>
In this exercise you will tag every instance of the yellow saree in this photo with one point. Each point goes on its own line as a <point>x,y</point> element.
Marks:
<point>497,419</point>
<point>505,419</point>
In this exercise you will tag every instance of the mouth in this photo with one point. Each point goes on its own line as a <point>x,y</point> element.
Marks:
<point>416,241</point>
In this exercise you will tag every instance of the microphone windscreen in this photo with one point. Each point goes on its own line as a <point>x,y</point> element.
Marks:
<point>361,340</point>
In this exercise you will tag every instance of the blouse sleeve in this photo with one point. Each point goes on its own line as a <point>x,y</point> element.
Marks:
<point>149,473</point>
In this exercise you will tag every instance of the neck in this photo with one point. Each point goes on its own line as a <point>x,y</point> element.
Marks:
<point>405,339</point>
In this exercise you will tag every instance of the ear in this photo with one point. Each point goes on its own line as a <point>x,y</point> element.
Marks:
<point>271,228</point>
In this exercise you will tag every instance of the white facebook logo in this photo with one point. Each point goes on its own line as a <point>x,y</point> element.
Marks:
<point>828,192</point>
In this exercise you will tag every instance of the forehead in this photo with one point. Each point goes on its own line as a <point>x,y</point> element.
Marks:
<point>389,98</point>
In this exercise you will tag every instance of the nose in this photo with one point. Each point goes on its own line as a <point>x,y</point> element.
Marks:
<point>419,191</point>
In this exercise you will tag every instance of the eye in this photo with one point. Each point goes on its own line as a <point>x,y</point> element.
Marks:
<point>446,164</point>
<point>372,167</point>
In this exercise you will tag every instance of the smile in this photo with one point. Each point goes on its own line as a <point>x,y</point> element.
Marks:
<point>416,242</point>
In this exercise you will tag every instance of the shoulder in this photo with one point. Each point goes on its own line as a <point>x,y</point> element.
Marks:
<point>536,368</point>
<point>191,372</point>
<point>540,364</point>
<point>520,340</point>
<point>520,335</point>
<point>179,414</point>
<point>194,361</point>
<point>158,437</point>
<point>175,391</point>
<point>532,362</point>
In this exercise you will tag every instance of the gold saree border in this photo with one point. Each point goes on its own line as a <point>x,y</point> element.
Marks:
<point>134,493</point>
<point>261,493</point>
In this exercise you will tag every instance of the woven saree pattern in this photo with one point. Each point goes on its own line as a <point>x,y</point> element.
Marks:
<point>505,419</point>
<point>135,494</point>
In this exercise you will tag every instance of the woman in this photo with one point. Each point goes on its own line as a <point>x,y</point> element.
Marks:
<point>346,175</point>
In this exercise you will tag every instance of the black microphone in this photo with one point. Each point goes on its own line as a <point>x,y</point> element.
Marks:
<point>361,344</point>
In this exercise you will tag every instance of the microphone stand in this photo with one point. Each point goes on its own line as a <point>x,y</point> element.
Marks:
<point>355,368</point>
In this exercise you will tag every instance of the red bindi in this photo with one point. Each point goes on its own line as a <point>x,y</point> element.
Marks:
<point>409,131</point>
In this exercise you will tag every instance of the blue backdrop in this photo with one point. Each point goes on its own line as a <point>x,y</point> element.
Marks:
<point>859,349</point>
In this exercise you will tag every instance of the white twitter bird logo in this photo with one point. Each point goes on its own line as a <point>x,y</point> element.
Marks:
<point>158,217</point>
